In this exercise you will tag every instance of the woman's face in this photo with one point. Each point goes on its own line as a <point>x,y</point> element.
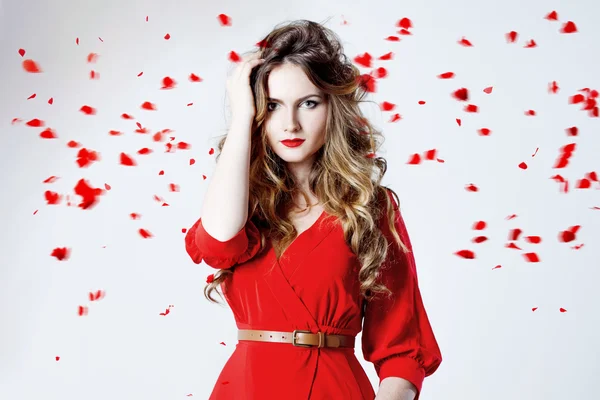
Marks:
<point>295,109</point>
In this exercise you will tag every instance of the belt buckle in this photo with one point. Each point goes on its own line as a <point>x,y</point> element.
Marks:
<point>321,339</point>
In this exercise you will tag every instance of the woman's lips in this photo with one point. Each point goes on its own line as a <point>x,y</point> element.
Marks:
<point>293,143</point>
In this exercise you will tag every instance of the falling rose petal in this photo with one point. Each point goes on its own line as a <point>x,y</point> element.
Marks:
<point>468,254</point>
<point>85,157</point>
<point>497,267</point>
<point>530,112</point>
<point>446,75</point>
<point>364,60</point>
<point>512,216</point>
<point>100,39</point>
<point>421,102</point>
<point>167,36</point>
<point>386,56</point>
<point>583,184</point>
<point>31,67</point>
<point>531,44</point>
<point>194,78</point>
<point>92,58</point>
<point>386,106</point>
<point>73,144</point>
<point>94,75</point>
<point>568,27</point>
<point>562,310</point>
<point>51,101</point>
<point>461,94</point>
<point>367,83</point>
<point>22,52</point>
<point>479,225</point>
<point>57,358</point>
<point>135,216</point>
<point>168,83</point>
<point>189,104</point>
<point>183,146</point>
<point>480,239</point>
<point>511,36</point>
<point>145,234</point>
<point>592,176</point>
<point>107,186</point>
<point>36,123</point>
<point>61,253</point>
<point>48,134</point>
<point>210,278</point>
<point>471,108</point>
<point>158,198</point>
<point>430,154</point>
<point>127,160</point>
<point>380,73</point>
<point>89,194</point>
<point>513,246</point>
<point>535,152</point>
<point>484,132</point>
<point>144,151</point>
<point>404,32</point>
<point>533,239</point>
<point>572,131</point>
<point>472,188</point>
<point>224,20</point>
<point>415,159</point>
<point>523,165</point>
<point>167,311</point>
<point>392,38</point>
<point>31,97</point>
<point>488,90</point>
<point>234,57</point>
<point>395,117</point>
<point>404,23</point>
<point>52,198</point>
<point>82,310</point>
<point>514,234</point>
<point>161,172</point>
<point>211,151</point>
<point>552,16</point>
<point>50,179</point>
<point>88,110</point>
<point>459,121</point>
<point>148,106</point>
<point>553,87</point>
<point>465,42</point>
<point>534,308</point>
<point>126,116</point>
<point>173,187</point>
<point>183,230</point>
<point>115,133</point>
<point>531,257</point>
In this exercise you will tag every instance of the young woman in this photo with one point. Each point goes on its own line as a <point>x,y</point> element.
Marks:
<point>306,243</point>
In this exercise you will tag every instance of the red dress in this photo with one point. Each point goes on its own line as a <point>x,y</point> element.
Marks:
<point>314,286</point>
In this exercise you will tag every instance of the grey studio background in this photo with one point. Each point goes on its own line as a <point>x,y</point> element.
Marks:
<point>520,331</point>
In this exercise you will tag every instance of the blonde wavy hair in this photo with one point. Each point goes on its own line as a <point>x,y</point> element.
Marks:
<point>341,176</point>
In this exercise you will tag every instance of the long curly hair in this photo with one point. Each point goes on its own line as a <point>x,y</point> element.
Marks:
<point>345,176</point>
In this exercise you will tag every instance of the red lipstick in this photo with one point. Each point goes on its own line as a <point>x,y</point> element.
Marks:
<point>293,142</point>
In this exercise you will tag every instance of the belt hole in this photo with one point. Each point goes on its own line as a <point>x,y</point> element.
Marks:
<point>270,336</point>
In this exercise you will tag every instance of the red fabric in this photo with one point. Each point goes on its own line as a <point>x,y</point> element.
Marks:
<point>315,287</point>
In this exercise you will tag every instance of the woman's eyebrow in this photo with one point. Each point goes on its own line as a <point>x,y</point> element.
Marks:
<point>300,99</point>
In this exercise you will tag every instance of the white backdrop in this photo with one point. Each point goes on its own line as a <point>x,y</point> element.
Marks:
<point>524,330</point>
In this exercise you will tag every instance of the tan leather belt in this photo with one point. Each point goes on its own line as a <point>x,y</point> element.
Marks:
<point>297,338</point>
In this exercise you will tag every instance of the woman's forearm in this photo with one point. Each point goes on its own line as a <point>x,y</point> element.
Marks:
<point>394,388</point>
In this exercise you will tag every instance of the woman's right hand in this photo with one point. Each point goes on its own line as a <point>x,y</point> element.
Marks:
<point>239,90</point>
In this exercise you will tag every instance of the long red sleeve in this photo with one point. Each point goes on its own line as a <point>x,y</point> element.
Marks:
<point>222,255</point>
<point>397,336</point>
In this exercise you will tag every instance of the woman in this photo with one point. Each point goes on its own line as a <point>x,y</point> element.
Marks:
<point>305,242</point>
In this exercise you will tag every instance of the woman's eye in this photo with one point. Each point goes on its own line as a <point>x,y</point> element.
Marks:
<point>316,103</point>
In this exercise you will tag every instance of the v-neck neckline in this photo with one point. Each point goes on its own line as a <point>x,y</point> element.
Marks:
<point>299,236</point>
